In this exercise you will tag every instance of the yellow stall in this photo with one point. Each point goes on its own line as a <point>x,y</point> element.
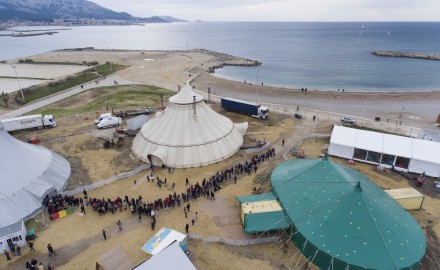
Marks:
<point>408,198</point>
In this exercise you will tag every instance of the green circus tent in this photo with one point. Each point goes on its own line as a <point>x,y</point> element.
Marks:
<point>341,220</point>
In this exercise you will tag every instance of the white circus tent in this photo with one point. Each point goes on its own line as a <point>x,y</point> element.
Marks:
<point>188,133</point>
<point>28,173</point>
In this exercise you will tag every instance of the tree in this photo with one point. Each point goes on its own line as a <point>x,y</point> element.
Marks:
<point>5,98</point>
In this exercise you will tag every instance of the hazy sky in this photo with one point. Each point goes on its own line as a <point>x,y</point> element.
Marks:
<point>282,10</point>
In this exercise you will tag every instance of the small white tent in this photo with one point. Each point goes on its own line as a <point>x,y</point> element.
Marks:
<point>402,153</point>
<point>28,173</point>
<point>188,133</point>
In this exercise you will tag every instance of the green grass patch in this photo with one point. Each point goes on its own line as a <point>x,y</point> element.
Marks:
<point>117,97</point>
<point>35,93</point>
<point>108,68</point>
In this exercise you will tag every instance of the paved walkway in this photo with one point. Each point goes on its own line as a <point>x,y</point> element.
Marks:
<point>107,181</point>
<point>109,81</point>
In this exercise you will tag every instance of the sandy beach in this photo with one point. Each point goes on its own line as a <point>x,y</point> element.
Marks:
<point>169,69</point>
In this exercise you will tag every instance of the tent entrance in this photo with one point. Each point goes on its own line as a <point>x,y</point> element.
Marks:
<point>155,160</point>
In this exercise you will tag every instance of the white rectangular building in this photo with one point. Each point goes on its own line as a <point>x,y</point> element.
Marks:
<point>402,153</point>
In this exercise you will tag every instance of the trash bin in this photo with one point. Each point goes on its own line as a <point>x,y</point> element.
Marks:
<point>377,118</point>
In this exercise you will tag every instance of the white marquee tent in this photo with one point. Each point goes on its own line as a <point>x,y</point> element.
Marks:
<point>407,154</point>
<point>28,173</point>
<point>188,133</point>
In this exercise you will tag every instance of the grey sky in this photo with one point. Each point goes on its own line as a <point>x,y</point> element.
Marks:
<point>282,10</point>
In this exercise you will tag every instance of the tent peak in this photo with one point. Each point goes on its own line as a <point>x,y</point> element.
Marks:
<point>358,187</point>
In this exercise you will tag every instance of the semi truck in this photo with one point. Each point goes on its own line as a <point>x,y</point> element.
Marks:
<point>134,112</point>
<point>246,107</point>
<point>36,121</point>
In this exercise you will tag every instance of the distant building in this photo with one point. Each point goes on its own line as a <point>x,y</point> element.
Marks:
<point>58,21</point>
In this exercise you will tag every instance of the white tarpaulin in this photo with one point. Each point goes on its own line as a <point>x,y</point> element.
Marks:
<point>188,133</point>
<point>423,155</point>
<point>342,142</point>
<point>29,172</point>
<point>170,258</point>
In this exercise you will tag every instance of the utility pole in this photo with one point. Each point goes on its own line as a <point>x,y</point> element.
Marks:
<point>19,85</point>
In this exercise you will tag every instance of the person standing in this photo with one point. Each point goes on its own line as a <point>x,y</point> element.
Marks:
<point>50,249</point>
<point>83,210</point>
<point>50,267</point>
<point>31,245</point>
<point>282,143</point>
<point>104,234</point>
<point>186,227</point>
<point>18,250</point>
<point>153,225</point>
<point>40,266</point>
<point>119,223</point>
<point>9,258</point>
<point>184,211</point>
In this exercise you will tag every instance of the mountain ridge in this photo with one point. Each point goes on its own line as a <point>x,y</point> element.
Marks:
<point>48,10</point>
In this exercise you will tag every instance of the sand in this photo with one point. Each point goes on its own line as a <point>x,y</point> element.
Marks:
<point>78,240</point>
<point>168,70</point>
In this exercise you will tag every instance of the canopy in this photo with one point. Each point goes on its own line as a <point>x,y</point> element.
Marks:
<point>416,155</point>
<point>261,213</point>
<point>170,258</point>
<point>29,172</point>
<point>342,220</point>
<point>188,133</point>
<point>163,238</point>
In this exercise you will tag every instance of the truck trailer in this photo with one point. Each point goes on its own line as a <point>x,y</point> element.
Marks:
<point>246,107</point>
<point>36,121</point>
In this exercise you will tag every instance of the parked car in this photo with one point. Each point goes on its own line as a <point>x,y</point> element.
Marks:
<point>112,122</point>
<point>102,117</point>
<point>348,120</point>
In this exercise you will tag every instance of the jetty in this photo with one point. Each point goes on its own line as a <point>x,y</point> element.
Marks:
<point>218,59</point>
<point>429,56</point>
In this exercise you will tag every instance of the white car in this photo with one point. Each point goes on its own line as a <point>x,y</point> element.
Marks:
<point>112,122</point>
<point>348,120</point>
<point>102,117</point>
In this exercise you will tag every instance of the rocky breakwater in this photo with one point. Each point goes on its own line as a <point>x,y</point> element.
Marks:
<point>220,60</point>
<point>429,56</point>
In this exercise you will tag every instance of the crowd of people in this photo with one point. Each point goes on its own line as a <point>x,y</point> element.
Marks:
<point>58,202</point>
<point>193,192</point>
<point>142,207</point>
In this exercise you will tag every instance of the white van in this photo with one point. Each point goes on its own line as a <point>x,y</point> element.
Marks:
<point>112,122</point>
<point>102,117</point>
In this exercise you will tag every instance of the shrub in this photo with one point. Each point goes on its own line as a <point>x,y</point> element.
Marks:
<point>19,99</point>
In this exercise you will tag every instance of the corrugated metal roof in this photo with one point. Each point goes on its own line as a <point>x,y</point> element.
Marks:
<point>10,229</point>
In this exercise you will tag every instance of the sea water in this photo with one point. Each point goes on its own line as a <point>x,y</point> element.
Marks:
<point>320,55</point>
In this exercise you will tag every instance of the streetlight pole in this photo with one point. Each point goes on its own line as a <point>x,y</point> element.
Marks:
<point>19,85</point>
<point>256,97</point>
<point>365,107</point>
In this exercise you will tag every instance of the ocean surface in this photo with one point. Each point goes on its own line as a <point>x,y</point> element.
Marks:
<point>321,55</point>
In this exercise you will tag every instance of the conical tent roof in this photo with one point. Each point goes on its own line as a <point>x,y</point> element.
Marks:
<point>29,172</point>
<point>342,220</point>
<point>182,137</point>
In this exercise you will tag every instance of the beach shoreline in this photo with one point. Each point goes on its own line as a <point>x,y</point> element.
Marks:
<point>169,69</point>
